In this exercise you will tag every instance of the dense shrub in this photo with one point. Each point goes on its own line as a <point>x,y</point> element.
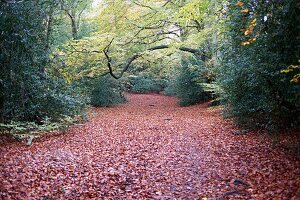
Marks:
<point>171,87</point>
<point>256,93</point>
<point>186,82</point>
<point>106,91</point>
<point>27,93</point>
<point>39,98</point>
<point>188,89</point>
<point>145,84</point>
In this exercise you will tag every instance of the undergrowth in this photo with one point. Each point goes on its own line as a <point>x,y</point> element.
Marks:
<point>30,130</point>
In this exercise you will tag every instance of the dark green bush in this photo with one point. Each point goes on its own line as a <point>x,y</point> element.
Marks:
<point>256,93</point>
<point>39,98</point>
<point>106,91</point>
<point>171,88</point>
<point>188,89</point>
<point>144,84</point>
<point>27,93</point>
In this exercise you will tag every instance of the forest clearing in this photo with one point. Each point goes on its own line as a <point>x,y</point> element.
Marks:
<point>149,148</point>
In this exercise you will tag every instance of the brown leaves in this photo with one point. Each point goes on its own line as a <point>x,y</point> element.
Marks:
<point>137,151</point>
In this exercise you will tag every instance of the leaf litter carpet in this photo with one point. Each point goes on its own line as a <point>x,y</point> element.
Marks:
<point>149,148</point>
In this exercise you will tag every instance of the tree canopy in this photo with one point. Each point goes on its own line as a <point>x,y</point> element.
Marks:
<point>241,54</point>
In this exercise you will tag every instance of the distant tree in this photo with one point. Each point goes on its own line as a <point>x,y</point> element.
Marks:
<point>74,10</point>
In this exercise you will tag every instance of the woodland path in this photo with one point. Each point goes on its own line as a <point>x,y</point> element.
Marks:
<point>149,148</point>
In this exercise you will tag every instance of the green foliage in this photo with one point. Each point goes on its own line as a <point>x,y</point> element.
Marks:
<point>171,87</point>
<point>40,98</point>
<point>106,91</point>
<point>146,84</point>
<point>249,52</point>
<point>27,92</point>
<point>256,93</point>
<point>185,85</point>
<point>31,130</point>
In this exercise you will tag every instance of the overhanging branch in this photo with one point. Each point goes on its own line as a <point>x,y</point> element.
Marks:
<point>196,52</point>
<point>109,60</point>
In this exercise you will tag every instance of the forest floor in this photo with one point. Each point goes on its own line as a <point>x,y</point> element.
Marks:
<point>149,148</point>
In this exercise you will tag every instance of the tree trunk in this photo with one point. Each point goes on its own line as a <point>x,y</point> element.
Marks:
<point>74,28</point>
<point>49,27</point>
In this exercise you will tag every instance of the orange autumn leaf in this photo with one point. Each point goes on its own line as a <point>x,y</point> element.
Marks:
<point>245,11</point>
<point>252,39</point>
<point>245,43</point>
<point>239,3</point>
<point>296,78</point>
<point>249,31</point>
<point>253,22</point>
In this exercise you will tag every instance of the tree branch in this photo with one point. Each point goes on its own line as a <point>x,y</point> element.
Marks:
<point>134,57</point>
<point>186,49</point>
<point>109,60</point>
